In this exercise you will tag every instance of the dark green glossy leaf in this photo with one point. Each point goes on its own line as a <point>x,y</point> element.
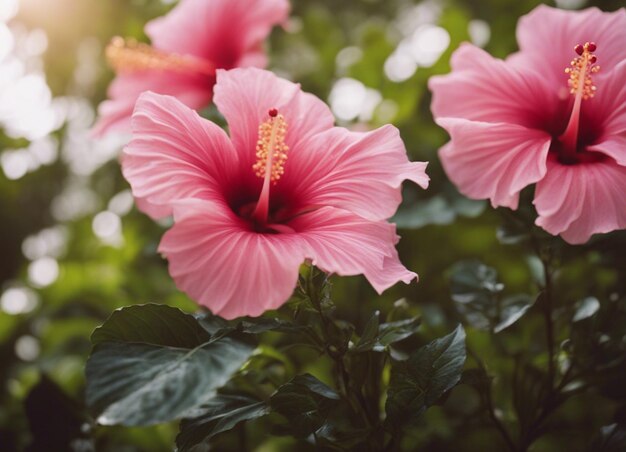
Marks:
<point>306,402</point>
<point>476,293</point>
<point>512,309</point>
<point>138,374</point>
<point>418,382</point>
<point>392,332</point>
<point>151,324</point>
<point>441,209</point>
<point>432,211</point>
<point>369,338</point>
<point>220,414</point>
<point>612,438</point>
<point>378,337</point>
<point>586,308</point>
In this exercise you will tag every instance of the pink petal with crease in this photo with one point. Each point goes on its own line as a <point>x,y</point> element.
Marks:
<point>114,114</point>
<point>577,201</point>
<point>338,241</point>
<point>494,161</point>
<point>547,37</point>
<point>482,88</point>
<point>226,33</point>
<point>225,266</point>
<point>220,31</point>
<point>358,171</point>
<point>174,154</point>
<point>244,97</point>
<point>610,104</point>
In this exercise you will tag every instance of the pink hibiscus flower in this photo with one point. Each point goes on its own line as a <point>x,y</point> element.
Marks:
<point>285,187</point>
<point>188,45</point>
<point>547,116</point>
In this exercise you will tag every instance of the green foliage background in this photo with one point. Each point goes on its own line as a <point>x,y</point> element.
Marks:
<point>441,228</point>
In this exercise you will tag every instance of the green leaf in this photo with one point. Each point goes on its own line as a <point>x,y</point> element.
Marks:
<point>512,309</point>
<point>220,414</point>
<point>476,293</point>
<point>151,364</point>
<point>306,402</point>
<point>378,337</point>
<point>418,382</point>
<point>432,211</point>
<point>441,209</point>
<point>586,308</point>
<point>152,324</point>
<point>612,438</point>
<point>261,325</point>
<point>392,332</point>
<point>369,338</point>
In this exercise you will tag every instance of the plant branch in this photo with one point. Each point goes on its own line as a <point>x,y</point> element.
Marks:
<point>355,398</point>
<point>488,400</point>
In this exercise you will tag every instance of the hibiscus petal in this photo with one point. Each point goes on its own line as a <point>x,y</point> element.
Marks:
<point>219,262</point>
<point>244,97</point>
<point>221,31</point>
<point>358,171</point>
<point>547,37</point>
<point>482,88</point>
<point>579,200</point>
<point>340,242</point>
<point>174,154</point>
<point>610,104</point>
<point>494,161</point>
<point>114,114</point>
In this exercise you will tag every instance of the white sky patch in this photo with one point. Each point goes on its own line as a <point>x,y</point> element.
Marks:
<point>8,9</point>
<point>43,272</point>
<point>479,32</point>
<point>428,44</point>
<point>50,242</point>
<point>76,201</point>
<point>15,164</point>
<point>107,226</point>
<point>350,99</point>
<point>25,98</point>
<point>18,300</point>
<point>6,41</point>
<point>400,67</point>
<point>422,44</point>
<point>122,203</point>
<point>27,348</point>
<point>348,56</point>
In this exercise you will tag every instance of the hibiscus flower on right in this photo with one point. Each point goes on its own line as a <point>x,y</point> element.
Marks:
<point>552,114</point>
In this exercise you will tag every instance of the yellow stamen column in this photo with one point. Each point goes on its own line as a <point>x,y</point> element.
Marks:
<point>271,154</point>
<point>581,85</point>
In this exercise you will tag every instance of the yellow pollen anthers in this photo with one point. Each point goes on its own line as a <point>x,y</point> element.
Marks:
<point>271,150</point>
<point>581,69</point>
<point>128,56</point>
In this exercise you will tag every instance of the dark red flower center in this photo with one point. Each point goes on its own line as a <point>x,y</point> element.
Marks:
<point>579,132</point>
<point>251,201</point>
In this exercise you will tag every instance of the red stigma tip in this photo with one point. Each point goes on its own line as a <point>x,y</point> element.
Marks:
<point>593,59</point>
<point>591,46</point>
<point>273,112</point>
<point>579,49</point>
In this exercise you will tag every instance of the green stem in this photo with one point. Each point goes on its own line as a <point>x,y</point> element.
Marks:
<point>554,398</point>
<point>547,312</point>
<point>488,400</point>
<point>336,353</point>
